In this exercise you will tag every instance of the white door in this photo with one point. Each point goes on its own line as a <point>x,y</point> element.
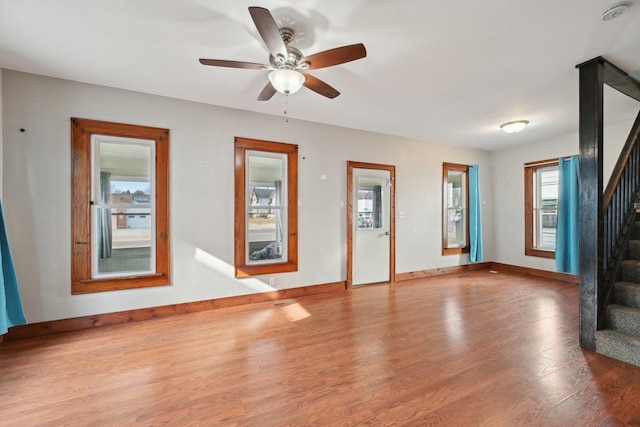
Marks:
<point>371,226</point>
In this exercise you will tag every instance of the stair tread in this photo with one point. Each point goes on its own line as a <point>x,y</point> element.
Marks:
<point>623,308</point>
<point>626,284</point>
<point>620,335</point>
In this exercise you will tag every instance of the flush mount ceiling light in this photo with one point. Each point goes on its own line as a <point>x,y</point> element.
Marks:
<point>615,10</point>
<point>515,126</point>
<point>286,81</point>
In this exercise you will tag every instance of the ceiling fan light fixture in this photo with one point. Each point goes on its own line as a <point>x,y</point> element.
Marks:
<point>515,126</point>
<point>286,81</point>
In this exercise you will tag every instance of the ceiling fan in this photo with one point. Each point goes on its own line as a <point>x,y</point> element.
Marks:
<point>287,65</point>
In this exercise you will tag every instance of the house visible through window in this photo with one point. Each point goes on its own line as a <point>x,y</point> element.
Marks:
<point>266,207</point>
<point>119,206</point>
<point>455,199</point>
<point>541,208</point>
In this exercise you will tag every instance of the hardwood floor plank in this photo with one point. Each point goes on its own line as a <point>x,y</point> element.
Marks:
<point>474,349</point>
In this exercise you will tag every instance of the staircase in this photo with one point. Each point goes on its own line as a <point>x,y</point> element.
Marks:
<point>621,339</point>
<point>609,233</point>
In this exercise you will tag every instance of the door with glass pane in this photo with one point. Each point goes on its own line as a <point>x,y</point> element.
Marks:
<point>371,225</point>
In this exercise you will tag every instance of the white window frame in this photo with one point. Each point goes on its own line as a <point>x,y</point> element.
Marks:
<point>283,207</point>
<point>537,209</point>
<point>96,140</point>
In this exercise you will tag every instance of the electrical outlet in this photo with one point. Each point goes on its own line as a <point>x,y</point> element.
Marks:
<point>272,281</point>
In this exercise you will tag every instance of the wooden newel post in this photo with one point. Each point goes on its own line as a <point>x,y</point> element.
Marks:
<point>591,204</point>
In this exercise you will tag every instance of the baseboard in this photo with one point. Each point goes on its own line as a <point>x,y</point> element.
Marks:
<point>563,277</point>
<point>98,320</point>
<point>496,266</point>
<point>458,269</point>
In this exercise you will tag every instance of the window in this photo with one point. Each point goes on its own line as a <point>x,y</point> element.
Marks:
<point>455,218</point>
<point>120,207</point>
<point>541,207</point>
<point>370,206</point>
<point>266,207</point>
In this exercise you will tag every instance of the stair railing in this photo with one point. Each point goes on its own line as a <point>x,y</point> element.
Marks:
<point>622,192</point>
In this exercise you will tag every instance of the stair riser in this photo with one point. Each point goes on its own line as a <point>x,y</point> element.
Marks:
<point>624,321</point>
<point>619,349</point>
<point>634,249</point>
<point>631,272</point>
<point>628,296</point>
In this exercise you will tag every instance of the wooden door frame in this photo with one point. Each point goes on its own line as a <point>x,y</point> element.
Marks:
<point>351,165</point>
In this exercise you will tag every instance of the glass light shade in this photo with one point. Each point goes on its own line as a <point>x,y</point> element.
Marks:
<point>514,127</point>
<point>286,81</point>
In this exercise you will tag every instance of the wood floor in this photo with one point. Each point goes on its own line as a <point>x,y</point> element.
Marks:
<point>480,349</point>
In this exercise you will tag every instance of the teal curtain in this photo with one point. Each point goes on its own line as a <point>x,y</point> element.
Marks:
<point>475,215</point>
<point>568,227</point>
<point>11,313</point>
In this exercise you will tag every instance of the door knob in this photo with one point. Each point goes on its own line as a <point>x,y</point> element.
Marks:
<point>386,233</point>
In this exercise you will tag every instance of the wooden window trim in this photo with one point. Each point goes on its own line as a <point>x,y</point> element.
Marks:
<point>242,145</point>
<point>446,167</point>
<point>81,281</point>
<point>529,226</point>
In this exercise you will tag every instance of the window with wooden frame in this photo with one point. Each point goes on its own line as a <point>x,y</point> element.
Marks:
<point>266,207</point>
<point>540,208</point>
<point>119,206</point>
<point>455,213</point>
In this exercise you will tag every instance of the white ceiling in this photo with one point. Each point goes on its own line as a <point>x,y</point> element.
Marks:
<point>441,71</point>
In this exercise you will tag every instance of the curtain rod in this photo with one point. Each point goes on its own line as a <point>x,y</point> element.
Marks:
<point>546,162</point>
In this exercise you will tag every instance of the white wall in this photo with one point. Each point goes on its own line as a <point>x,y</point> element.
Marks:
<point>37,181</point>
<point>508,188</point>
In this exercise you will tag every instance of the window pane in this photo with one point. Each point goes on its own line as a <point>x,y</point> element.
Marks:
<point>123,223</point>
<point>456,209</point>
<point>265,234</point>
<point>455,228</point>
<point>546,208</point>
<point>266,215</point>
<point>370,195</point>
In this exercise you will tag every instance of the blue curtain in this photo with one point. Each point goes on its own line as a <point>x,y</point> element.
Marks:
<point>11,313</point>
<point>567,230</point>
<point>475,217</point>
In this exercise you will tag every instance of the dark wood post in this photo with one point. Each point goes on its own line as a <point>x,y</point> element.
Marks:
<point>591,209</point>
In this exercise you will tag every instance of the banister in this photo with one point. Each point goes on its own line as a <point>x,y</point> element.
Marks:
<point>621,163</point>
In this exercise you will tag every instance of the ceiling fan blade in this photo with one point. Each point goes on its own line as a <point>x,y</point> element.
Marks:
<point>336,56</point>
<point>267,92</point>
<point>320,87</point>
<point>269,31</point>
<point>232,64</point>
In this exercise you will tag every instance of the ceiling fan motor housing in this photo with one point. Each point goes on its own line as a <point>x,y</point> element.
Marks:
<point>293,61</point>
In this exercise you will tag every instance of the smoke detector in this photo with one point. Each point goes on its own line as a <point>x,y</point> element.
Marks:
<point>615,10</point>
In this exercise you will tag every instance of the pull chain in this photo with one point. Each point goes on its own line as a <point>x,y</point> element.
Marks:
<point>286,104</point>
